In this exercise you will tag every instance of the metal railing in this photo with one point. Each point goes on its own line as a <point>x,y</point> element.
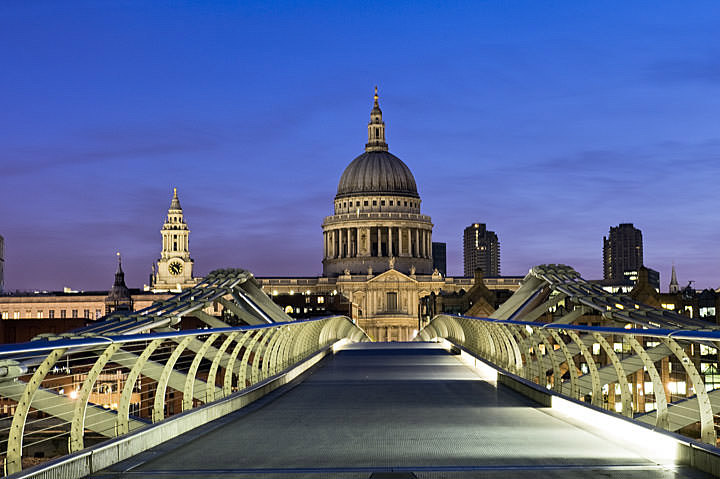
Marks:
<point>663,377</point>
<point>58,396</point>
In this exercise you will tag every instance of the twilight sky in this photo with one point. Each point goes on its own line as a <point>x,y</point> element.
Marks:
<point>549,121</point>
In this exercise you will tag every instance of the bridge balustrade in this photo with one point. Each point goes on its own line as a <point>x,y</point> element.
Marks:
<point>653,375</point>
<point>62,395</point>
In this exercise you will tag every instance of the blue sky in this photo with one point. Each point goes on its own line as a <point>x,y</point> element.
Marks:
<point>549,121</point>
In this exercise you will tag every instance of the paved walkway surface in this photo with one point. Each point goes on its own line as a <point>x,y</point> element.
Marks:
<point>393,410</point>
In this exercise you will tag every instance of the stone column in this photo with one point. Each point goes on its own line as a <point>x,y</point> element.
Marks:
<point>348,237</point>
<point>417,242</point>
<point>343,243</point>
<point>379,235</point>
<point>357,241</point>
<point>390,241</point>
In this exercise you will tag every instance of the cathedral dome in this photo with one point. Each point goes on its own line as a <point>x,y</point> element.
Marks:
<point>377,172</point>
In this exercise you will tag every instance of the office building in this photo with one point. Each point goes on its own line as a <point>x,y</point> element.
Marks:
<point>622,251</point>
<point>481,249</point>
<point>439,256</point>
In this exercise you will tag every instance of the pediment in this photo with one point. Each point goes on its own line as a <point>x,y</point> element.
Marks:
<point>392,275</point>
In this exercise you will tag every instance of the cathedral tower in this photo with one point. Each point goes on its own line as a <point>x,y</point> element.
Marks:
<point>174,268</point>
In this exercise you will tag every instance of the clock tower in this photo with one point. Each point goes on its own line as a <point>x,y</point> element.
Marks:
<point>174,268</point>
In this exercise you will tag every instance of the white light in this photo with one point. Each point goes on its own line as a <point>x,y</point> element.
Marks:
<point>654,445</point>
<point>73,394</point>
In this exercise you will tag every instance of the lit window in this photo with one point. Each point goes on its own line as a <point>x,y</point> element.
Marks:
<point>669,306</point>
<point>51,314</point>
<point>74,313</point>
<point>706,350</point>
<point>706,312</point>
<point>62,313</point>
<point>39,315</point>
<point>596,349</point>
<point>617,347</point>
<point>98,314</point>
<point>677,387</point>
<point>5,315</point>
<point>648,387</point>
<point>321,299</point>
<point>288,310</point>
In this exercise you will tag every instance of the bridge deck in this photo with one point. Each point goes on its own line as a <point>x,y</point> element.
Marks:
<point>401,407</point>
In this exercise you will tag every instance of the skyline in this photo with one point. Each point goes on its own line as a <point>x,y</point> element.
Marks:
<point>548,124</point>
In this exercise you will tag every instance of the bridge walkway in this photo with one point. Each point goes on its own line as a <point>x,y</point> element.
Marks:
<point>402,408</point>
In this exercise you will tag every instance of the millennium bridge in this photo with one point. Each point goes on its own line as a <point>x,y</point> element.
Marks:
<point>609,387</point>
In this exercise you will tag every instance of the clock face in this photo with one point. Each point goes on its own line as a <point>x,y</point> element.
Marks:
<point>175,268</point>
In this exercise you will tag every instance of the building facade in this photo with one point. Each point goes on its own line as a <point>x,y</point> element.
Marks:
<point>481,249</point>
<point>174,269</point>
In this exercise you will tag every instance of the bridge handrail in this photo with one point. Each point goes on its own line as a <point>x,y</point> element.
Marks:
<point>576,360</point>
<point>101,386</point>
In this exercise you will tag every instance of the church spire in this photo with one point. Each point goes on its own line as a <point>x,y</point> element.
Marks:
<point>376,128</point>
<point>674,286</point>
<point>119,297</point>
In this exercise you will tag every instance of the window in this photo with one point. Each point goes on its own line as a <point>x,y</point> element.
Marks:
<point>365,203</point>
<point>16,314</point>
<point>74,313</point>
<point>382,203</point>
<point>98,314</point>
<point>62,313</point>
<point>357,203</point>
<point>392,301</point>
<point>374,202</point>
<point>5,315</point>
<point>86,314</point>
<point>406,203</point>
<point>51,314</point>
<point>391,202</point>
<point>39,315</point>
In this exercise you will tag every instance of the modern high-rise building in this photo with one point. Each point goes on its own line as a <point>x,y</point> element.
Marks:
<point>481,249</point>
<point>622,251</point>
<point>2,263</point>
<point>439,255</point>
